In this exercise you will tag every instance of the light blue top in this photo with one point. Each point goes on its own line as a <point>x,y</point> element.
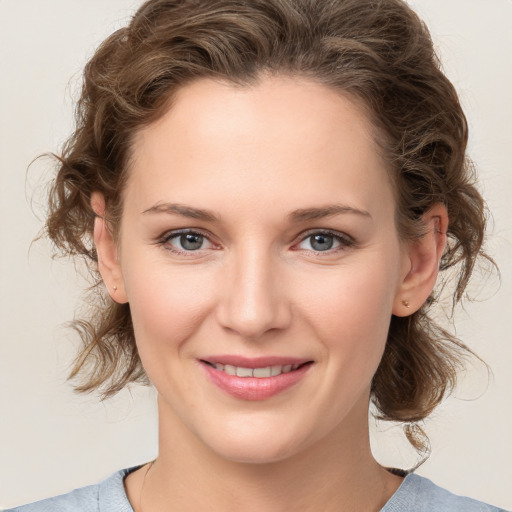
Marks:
<point>416,494</point>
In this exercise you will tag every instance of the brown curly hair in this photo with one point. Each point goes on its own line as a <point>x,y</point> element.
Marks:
<point>377,51</point>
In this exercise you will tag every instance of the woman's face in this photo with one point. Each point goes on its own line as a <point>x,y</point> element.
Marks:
<point>258,238</point>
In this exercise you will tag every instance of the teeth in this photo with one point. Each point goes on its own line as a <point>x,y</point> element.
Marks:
<point>276,370</point>
<point>261,373</point>
<point>230,370</point>
<point>244,372</point>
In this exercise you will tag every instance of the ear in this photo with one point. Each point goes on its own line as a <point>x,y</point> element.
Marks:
<point>106,249</point>
<point>423,257</point>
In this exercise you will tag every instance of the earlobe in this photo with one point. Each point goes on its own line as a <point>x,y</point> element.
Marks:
<point>106,249</point>
<point>423,259</point>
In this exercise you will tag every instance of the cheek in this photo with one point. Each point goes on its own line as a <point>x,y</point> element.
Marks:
<point>167,304</point>
<point>350,310</point>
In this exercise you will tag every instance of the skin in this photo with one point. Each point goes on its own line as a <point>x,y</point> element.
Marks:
<point>257,287</point>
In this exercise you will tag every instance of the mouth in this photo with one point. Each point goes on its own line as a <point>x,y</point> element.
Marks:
<point>254,379</point>
<point>260,372</point>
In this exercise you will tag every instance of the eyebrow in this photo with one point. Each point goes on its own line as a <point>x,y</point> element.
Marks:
<point>182,210</point>
<point>301,215</point>
<point>325,211</point>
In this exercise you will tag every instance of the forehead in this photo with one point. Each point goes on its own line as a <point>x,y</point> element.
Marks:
<point>280,139</point>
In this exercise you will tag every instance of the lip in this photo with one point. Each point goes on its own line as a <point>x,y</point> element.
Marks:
<point>253,362</point>
<point>252,388</point>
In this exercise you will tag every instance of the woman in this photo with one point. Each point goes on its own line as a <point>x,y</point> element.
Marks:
<point>268,191</point>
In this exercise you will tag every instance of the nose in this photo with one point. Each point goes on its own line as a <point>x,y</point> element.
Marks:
<point>253,297</point>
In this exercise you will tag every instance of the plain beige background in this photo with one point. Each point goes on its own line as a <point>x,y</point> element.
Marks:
<point>51,440</point>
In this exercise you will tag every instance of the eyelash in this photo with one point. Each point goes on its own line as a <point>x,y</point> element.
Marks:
<point>166,239</point>
<point>345,241</point>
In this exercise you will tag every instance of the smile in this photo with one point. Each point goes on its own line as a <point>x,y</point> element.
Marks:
<point>259,373</point>
<point>254,379</point>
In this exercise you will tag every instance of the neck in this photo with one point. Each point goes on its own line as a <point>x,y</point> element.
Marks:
<point>336,473</point>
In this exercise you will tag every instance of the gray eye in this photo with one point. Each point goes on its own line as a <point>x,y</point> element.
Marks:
<point>321,242</point>
<point>191,241</point>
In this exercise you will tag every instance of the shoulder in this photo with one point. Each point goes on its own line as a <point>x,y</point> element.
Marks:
<point>105,496</point>
<point>419,494</point>
<point>84,499</point>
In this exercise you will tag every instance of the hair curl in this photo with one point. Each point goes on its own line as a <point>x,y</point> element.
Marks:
<point>377,51</point>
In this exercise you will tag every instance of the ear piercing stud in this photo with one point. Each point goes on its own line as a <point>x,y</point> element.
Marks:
<point>115,288</point>
<point>406,303</point>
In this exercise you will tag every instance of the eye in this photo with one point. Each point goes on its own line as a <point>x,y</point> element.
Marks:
<point>186,241</point>
<point>323,241</point>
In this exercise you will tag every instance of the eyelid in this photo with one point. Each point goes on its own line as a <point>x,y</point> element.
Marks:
<point>164,240</point>
<point>345,240</point>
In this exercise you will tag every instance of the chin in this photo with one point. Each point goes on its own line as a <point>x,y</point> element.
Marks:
<point>256,446</point>
<point>255,453</point>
